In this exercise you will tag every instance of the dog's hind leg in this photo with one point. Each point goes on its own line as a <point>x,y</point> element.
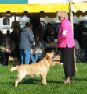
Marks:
<point>17,81</point>
<point>43,78</point>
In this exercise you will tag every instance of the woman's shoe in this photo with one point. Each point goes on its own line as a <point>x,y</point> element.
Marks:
<point>67,81</point>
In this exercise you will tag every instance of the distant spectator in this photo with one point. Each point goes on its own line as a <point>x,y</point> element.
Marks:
<point>26,41</point>
<point>7,47</point>
<point>38,50</point>
<point>1,37</point>
<point>1,48</point>
<point>15,39</point>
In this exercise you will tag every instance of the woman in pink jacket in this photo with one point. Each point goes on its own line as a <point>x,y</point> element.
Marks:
<point>66,45</point>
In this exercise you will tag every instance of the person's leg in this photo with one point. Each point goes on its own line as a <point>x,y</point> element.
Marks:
<point>69,65</point>
<point>22,56</point>
<point>27,56</point>
<point>61,55</point>
<point>85,53</point>
<point>65,65</point>
<point>6,58</point>
<point>36,56</point>
<point>18,57</point>
<point>3,60</point>
<point>40,56</point>
<point>33,58</point>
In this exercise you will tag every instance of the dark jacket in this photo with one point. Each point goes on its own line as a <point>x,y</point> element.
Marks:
<point>26,38</point>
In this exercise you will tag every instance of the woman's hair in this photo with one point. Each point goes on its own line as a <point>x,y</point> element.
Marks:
<point>62,14</point>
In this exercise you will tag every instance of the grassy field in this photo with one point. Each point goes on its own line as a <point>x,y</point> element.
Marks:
<point>54,79</point>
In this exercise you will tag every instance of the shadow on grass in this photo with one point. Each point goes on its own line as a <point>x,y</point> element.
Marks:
<point>30,81</point>
<point>38,81</point>
<point>80,79</point>
<point>55,82</point>
<point>24,81</point>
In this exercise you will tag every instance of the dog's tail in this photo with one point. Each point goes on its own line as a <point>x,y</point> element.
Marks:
<point>14,68</point>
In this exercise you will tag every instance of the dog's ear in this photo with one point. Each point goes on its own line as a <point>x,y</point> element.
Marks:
<point>48,56</point>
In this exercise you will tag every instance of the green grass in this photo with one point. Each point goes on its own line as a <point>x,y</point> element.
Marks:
<point>54,79</point>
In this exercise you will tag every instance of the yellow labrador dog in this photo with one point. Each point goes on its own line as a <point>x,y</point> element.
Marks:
<point>40,68</point>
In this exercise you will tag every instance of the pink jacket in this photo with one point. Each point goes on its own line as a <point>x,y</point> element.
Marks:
<point>67,40</point>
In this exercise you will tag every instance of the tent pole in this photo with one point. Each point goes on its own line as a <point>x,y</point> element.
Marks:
<point>14,17</point>
<point>70,12</point>
<point>71,19</point>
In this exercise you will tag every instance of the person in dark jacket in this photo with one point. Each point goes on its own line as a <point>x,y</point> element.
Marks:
<point>26,41</point>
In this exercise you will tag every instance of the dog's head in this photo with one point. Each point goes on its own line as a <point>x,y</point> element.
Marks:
<point>49,55</point>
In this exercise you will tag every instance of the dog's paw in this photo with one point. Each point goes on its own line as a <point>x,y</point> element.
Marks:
<point>44,83</point>
<point>31,75</point>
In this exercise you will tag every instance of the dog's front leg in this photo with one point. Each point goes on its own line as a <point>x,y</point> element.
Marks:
<point>43,78</point>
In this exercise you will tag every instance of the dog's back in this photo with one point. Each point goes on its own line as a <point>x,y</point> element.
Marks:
<point>34,68</point>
